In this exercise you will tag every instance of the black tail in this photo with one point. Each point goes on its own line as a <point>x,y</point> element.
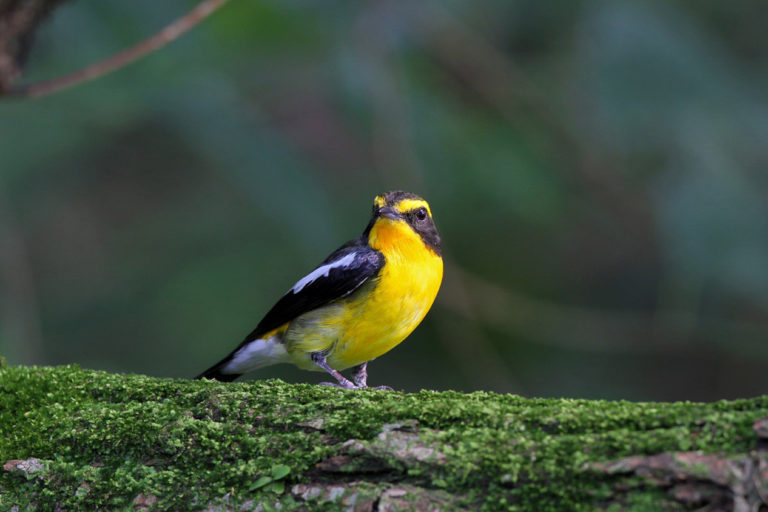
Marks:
<point>214,372</point>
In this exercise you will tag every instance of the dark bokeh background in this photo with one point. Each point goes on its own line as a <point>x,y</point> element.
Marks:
<point>597,171</point>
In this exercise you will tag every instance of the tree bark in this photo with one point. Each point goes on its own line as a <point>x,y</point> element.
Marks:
<point>73,439</point>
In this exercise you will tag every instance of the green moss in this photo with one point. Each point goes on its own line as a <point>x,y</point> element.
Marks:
<point>646,501</point>
<point>106,439</point>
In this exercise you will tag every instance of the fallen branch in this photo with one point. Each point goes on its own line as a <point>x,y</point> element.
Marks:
<point>118,60</point>
<point>73,439</point>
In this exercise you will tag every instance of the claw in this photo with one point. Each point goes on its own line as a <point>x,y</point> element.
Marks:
<point>337,385</point>
<point>319,359</point>
<point>360,376</point>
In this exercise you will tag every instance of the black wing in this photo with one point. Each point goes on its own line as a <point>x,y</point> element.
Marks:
<point>337,276</point>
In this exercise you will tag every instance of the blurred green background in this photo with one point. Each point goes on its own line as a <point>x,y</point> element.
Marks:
<point>597,170</point>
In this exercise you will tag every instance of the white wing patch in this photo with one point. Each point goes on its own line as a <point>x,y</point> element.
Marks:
<point>257,354</point>
<point>322,272</point>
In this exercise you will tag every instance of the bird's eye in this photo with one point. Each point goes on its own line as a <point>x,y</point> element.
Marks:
<point>421,214</point>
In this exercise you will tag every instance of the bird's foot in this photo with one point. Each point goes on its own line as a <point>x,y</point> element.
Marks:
<point>348,385</point>
<point>352,386</point>
<point>359,377</point>
<point>319,359</point>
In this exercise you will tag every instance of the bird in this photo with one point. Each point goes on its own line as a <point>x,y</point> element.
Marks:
<point>359,303</point>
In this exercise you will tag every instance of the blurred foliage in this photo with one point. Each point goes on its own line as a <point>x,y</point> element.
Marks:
<point>596,169</point>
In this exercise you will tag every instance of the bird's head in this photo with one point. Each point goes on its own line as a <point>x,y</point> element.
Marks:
<point>400,218</point>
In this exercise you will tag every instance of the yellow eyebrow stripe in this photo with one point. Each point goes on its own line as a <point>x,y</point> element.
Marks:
<point>407,205</point>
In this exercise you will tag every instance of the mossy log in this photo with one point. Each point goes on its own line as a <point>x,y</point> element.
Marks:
<point>74,439</point>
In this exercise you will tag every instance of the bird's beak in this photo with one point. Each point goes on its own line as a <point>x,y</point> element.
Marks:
<point>389,212</point>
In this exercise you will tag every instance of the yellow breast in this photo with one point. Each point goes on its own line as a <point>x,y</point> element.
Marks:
<point>389,308</point>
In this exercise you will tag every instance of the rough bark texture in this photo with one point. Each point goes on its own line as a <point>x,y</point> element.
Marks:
<point>18,21</point>
<point>73,439</point>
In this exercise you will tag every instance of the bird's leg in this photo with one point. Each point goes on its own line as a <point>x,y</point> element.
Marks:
<point>360,375</point>
<point>319,359</point>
